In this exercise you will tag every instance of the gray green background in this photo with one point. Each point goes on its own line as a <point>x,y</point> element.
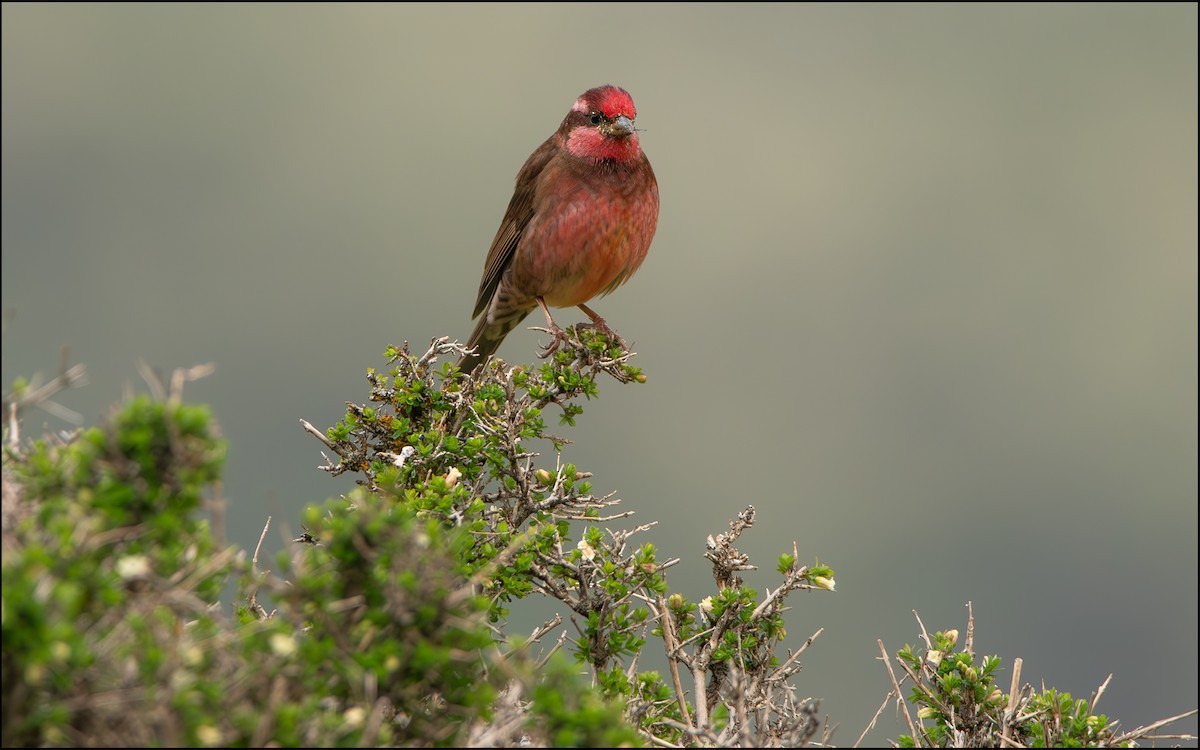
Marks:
<point>923,289</point>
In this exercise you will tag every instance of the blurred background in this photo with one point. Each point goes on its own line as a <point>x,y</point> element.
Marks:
<point>923,289</point>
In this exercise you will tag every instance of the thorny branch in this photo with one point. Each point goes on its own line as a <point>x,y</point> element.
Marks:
<point>413,431</point>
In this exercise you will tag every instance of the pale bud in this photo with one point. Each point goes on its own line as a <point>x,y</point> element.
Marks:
<point>209,736</point>
<point>60,651</point>
<point>822,582</point>
<point>282,644</point>
<point>193,656</point>
<point>589,552</point>
<point>398,459</point>
<point>133,566</point>
<point>354,716</point>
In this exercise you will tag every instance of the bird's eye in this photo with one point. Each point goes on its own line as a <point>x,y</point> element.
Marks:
<point>595,118</point>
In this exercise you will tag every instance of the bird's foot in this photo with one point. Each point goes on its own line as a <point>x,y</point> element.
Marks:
<point>558,337</point>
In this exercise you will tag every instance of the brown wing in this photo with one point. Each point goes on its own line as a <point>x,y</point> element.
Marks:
<point>516,218</point>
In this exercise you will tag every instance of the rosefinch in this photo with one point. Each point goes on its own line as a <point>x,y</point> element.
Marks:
<point>579,223</point>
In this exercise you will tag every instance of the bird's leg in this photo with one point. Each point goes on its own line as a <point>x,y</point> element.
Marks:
<point>558,336</point>
<point>602,327</point>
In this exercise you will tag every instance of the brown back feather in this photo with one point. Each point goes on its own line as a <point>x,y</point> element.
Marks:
<point>516,218</point>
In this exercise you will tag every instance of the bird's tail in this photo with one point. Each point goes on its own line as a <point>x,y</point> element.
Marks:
<point>487,337</point>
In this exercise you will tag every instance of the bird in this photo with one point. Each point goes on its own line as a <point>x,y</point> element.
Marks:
<point>580,222</point>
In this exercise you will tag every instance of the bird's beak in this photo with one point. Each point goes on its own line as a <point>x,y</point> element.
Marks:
<point>622,127</point>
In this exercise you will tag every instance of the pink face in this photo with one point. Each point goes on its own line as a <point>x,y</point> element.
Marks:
<point>590,142</point>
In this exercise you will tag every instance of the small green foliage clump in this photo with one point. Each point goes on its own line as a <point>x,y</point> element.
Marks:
<point>956,692</point>
<point>383,620</point>
<point>108,577</point>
